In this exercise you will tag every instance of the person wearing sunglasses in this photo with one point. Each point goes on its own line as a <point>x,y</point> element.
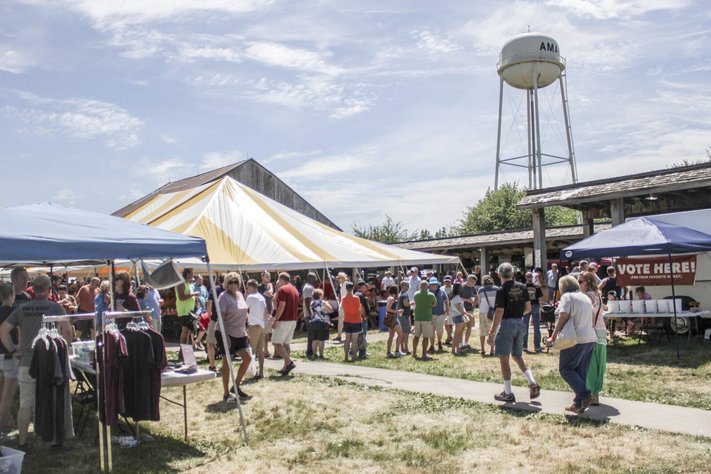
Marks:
<point>234,311</point>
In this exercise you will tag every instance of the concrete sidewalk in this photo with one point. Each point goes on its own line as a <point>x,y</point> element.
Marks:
<point>655,416</point>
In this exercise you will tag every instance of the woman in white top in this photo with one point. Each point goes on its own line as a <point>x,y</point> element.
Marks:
<point>575,308</point>
<point>596,371</point>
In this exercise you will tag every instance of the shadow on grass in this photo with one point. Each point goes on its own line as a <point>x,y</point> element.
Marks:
<point>691,356</point>
<point>520,409</point>
<point>165,453</point>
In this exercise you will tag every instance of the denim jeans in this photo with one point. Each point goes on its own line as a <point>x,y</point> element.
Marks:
<point>364,332</point>
<point>536,314</point>
<point>573,368</point>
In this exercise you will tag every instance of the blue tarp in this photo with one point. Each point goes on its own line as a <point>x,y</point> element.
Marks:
<point>640,236</point>
<point>51,233</point>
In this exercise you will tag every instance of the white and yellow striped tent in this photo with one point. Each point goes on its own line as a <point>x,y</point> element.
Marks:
<point>247,230</point>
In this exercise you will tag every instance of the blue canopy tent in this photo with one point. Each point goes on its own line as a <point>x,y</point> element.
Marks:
<point>642,236</point>
<point>48,234</point>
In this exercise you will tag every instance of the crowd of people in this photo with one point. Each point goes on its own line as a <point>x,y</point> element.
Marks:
<point>423,313</point>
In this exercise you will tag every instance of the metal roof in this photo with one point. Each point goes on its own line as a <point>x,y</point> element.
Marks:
<point>672,179</point>
<point>498,238</point>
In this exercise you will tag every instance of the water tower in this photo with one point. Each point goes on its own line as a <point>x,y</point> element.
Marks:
<point>529,62</point>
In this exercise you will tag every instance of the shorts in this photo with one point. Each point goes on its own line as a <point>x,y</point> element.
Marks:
<point>268,326</point>
<point>283,332</point>
<point>438,322</point>
<point>9,367</point>
<point>318,330</point>
<point>211,328</point>
<point>84,325</point>
<point>27,388</point>
<point>255,338</point>
<point>187,322</point>
<point>157,325</point>
<point>509,337</point>
<point>352,328</point>
<point>484,324</point>
<point>405,324</point>
<point>236,343</point>
<point>424,329</point>
<point>458,319</point>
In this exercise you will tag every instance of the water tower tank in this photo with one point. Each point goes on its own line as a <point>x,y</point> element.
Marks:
<point>523,54</point>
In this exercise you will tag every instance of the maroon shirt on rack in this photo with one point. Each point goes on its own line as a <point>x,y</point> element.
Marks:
<point>111,393</point>
<point>160,364</point>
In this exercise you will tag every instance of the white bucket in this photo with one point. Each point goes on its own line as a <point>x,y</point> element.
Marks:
<point>638,306</point>
<point>613,306</point>
<point>677,302</point>
<point>663,306</point>
<point>625,306</point>
<point>651,306</point>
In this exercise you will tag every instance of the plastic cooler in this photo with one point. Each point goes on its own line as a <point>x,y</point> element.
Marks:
<point>11,460</point>
<point>381,315</point>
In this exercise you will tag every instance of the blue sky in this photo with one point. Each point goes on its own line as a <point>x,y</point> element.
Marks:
<point>364,108</point>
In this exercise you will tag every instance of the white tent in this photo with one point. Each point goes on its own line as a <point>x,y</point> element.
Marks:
<point>247,230</point>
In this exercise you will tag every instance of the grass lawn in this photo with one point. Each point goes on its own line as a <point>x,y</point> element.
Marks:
<point>642,372</point>
<point>310,424</point>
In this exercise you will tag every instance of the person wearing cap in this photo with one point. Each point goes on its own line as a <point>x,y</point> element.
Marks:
<point>28,318</point>
<point>404,312</point>
<point>439,313</point>
<point>469,291</point>
<point>448,325</point>
<point>341,291</point>
<point>424,304</point>
<point>593,268</point>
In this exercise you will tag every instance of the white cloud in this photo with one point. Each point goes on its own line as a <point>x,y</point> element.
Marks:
<point>67,196</point>
<point>218,159</point>
<point>127,12</point>
<point>325,166</point>
<point>611,9</point>
<point>168,138</point>
<point>280,55</point>
<point>190,52</point>
<point>14,61</point>
<point>434,44</point>
<point>77,118</point>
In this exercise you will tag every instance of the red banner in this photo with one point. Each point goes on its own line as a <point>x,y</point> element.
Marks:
<point>656,271</point>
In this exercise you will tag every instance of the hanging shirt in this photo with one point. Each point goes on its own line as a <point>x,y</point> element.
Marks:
<point>137,374</point>
<point>112,348</point>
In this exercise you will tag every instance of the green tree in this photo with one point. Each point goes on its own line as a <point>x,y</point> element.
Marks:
<point>390,232</point>
<point>497,212</point>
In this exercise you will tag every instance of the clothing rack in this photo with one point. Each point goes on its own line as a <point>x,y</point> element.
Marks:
<point>126,314</point>
<point>68,317</point>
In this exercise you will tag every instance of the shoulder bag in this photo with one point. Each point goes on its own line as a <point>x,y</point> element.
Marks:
<point>492,310</point>
<point>567,337</point>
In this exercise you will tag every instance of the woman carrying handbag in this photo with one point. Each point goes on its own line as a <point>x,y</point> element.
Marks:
<point>575,337</point>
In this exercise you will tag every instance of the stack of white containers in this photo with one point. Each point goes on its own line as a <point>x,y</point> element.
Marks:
<point>644,306</point>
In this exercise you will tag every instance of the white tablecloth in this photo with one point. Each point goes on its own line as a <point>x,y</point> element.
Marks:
<point>682,314</point>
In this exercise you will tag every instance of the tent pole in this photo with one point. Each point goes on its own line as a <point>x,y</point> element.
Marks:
<point>226,345</point>
<point>676,335</point>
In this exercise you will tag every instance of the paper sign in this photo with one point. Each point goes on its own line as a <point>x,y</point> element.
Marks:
<point>188,355</point>
<point>656,271</point>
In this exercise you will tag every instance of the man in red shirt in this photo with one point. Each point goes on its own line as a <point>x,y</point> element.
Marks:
<point>287,313</point>
<point>85,302</point>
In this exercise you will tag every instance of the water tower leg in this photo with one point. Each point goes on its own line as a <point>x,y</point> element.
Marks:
<point>540,258</point>
<point>538,127</point>
<point>498,135</point>
<point>568,129</point>
<point>530,139</point>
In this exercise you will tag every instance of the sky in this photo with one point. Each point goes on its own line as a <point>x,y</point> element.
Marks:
<point>364,108</point>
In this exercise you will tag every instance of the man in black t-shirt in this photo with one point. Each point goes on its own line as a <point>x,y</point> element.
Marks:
<point>535,293</point>
<point>507,331</point>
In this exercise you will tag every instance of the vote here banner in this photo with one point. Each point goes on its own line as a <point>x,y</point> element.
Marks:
<point>656,271</point>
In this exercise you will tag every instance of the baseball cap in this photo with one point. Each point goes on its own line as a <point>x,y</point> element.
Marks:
<point>448,278</point>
